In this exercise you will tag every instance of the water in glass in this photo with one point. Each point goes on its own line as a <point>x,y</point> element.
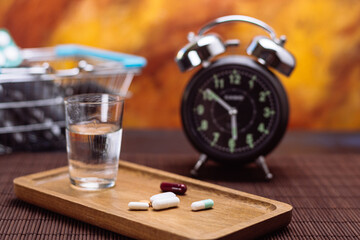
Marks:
<point>93,152</point>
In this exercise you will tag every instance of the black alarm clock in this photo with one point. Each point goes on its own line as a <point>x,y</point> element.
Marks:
<point>234,109</point>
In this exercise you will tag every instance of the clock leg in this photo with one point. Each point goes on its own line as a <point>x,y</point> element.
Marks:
<point>260,161</point>
<point>202,159</point>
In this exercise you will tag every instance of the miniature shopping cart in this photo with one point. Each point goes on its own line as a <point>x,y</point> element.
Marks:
<point>31,96</point>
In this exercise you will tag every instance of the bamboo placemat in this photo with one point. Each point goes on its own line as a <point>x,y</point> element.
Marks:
<point>323,189</point>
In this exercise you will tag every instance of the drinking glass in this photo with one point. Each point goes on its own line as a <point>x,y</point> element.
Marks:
<point>93,139</point>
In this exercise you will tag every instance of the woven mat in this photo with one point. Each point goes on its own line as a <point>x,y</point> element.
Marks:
<point>323,189</point>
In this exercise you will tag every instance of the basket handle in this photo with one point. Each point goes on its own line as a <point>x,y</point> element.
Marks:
<point>73,50</point>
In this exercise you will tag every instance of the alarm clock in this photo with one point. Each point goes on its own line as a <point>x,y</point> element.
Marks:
<point>235,110</point>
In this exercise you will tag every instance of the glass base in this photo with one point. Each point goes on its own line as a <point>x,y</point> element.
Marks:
<point>92,183</point>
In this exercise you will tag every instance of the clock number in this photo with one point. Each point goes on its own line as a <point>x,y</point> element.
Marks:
<point>252,81</point>
<point>203,125</point>
<point>207,96</point>
<point>199,109</point>
<point>268,112</point>
<point>219,83</point>
<point>263,95</point>
<point>250,140</point>
<point>232,145</point>
<point>216,138</point>
<point>235,78</point>
<point>261,128</point>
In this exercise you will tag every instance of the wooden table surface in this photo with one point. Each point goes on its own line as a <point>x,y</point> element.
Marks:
<point>317,173</point>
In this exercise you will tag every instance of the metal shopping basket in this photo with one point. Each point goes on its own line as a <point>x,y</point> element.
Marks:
<point>32,114</point>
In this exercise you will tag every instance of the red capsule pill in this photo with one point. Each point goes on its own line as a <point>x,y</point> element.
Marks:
<point>176,188</point>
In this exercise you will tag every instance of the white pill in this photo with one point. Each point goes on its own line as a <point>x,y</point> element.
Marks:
<point>11,53</point>
<point>4,39</point>
<point>164,203</point>
<point>203,204</point>
<point>138,205</point>
<point>162,195</point>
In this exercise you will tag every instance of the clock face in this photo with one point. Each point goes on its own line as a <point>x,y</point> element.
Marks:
<point>234,111</point>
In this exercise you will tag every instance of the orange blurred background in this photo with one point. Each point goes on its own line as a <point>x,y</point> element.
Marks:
<point>324,36</point>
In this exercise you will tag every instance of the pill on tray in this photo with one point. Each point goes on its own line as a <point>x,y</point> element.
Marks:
<point>177,188</point>
<point>162,195</point>
<point>203,204</point>
<point>164,203</point>
<point>138,205</point>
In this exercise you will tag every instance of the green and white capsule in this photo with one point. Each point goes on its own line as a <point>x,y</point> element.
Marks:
<point>203,204</point>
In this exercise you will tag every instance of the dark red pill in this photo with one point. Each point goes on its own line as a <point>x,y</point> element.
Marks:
<point>176,188</point>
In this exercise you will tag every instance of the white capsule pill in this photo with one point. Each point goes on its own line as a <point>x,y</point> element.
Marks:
<point>138,205</point>
<point>203,204</point>
<point>164,203</point>
<point>162,195</point>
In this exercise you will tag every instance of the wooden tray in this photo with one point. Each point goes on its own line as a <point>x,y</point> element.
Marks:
<point>235,215</point>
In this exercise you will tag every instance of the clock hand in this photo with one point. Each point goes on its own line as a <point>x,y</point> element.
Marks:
<point>234,130</point>
<point>232,111</point>
<point>219,100</point>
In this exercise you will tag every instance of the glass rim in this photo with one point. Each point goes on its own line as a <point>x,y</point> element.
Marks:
<point>80,98</point>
